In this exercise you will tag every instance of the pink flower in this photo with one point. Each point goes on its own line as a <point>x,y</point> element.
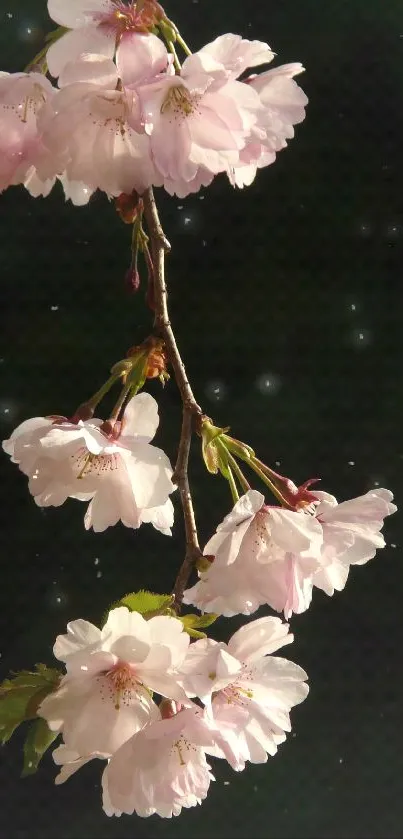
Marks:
<point>93,129</point>
<point>124,478</point>
<point>283,104</point>
<point>105,696</point>
<point>197,121</point>
<point>248,691</point>
<point>262,555</point>
<point>351,534</point>
<point>161,769</point>
<point>22,97</point>
<point>98,26</point>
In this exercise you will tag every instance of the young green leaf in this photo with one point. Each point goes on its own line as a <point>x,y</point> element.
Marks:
<point>38,741</point>
<point>147,603</point>
<point>21,695</point>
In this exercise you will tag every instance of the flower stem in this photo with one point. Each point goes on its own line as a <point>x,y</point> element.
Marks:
<point>120,402</point>
<point>232,485</point>
<point>99,395</point>
<point>238,472</point>
<point>191,411</point>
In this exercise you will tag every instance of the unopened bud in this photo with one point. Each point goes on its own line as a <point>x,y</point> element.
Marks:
<point>132,279</point>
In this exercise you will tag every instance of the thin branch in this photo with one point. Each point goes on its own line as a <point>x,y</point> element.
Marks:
<point>191,410</point>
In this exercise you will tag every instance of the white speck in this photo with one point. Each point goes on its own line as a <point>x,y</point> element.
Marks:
<point>353,307</point>
<point>341,760</point>
<point>268,384</point>
<point>278,463</point>
<point>226,783</point>
<point>293,734</point>
<point>187,220</point>
<point>351,462</point>
<point>29,30</point>
<point>6,411</point>
<point>392,545</point>
<point>99,575</point>
<point>96,560</point>
<point>30,764</point>
<point>255,789</point>
<point>180,206</point>
<point>84,667</point>
<point>201,197</point>
<point>54,308</point>
<point>376,483</point>
<point>204,243</point>
<point>361,337</point>
<point>216,391</point>
<point>9,14</point>
<point>58,599</point>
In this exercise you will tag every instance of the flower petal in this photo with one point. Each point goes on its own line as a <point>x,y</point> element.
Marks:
<point>259,638</point>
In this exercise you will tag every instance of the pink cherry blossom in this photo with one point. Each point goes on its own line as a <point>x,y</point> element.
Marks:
<point>162,769</point>
<point>124,478</point>
<point>249,691</point>
<point>261,555</point>
<point>22,98</point>
<point>229,55</point>
<point>98,26</point>
<point>351,534</point>
<point>197,122</point>
<point>283,104</point>
<point>105,696</point>
<point>93,128</point>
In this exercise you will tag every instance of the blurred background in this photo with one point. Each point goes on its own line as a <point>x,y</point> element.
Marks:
<point>286,300</point>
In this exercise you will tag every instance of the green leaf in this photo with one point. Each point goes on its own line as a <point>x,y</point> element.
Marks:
<point>147,603</point>
<point>21,695</point>
<point>38,741</point>
<point>193,623</point>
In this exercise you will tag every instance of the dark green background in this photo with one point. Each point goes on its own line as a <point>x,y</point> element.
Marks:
<point>263,284</point>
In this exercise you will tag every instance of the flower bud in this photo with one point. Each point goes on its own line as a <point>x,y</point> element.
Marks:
<point>132,279</point>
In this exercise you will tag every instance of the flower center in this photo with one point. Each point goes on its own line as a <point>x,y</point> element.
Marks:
<point>86,464</point>
<point>124,17</point>
<point>179,101</point>
<point>121,685</point>
<point>236,694</point>
<point>29,104</point>
<point>183,749</point>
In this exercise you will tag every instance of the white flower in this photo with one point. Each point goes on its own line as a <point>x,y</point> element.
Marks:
<point>106,695</point>
<point>262,555</point>
<point>125,478</point>
<point>351,534</point>
<point>161,769</point>
<point>249,693</point>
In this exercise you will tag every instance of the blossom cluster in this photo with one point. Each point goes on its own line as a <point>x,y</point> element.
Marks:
<point>229,701</point>
<point>260,554</point>
<point>124,116</point>
<point>268,555</point>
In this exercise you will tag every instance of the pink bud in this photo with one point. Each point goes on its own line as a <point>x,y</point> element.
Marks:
<point>132,279</point>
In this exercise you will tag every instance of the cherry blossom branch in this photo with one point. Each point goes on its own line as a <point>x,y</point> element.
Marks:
<point>191,411</point>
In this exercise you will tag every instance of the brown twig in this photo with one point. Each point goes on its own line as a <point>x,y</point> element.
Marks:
<point>191,410</point>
